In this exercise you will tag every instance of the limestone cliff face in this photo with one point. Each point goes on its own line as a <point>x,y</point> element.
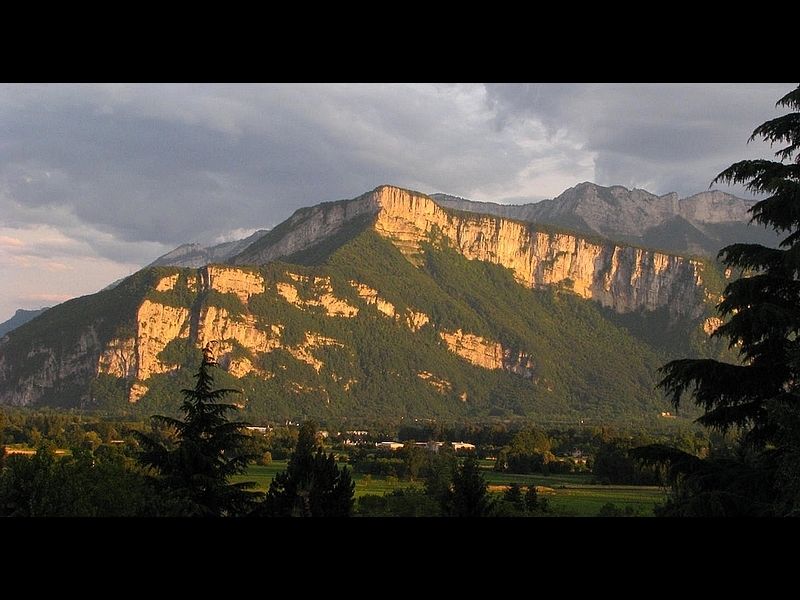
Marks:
<point>138,358</point>
<point>487,354</point>
<point>440,385</point>
<point>701,224</point>
<point>371,296</point>
<point>475,349</point>
<point>623,278</point>
<point>119,359</point>
<point>227,280</point>
<point>182,306</point>
<point>305,228</point>
<point>54,367</point>
<point>158,324</point>
<point>321,296</point>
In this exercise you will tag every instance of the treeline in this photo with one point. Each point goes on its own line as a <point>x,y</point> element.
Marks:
<point>516,448</point>
<point>448,486</point>
<point>68,431</point>
<point>90,466</point>
<point>601,451</point>
<point>178,468</point>
<point>63,430</point>
<point>604,452</point>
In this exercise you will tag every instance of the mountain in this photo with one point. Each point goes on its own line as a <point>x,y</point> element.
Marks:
<point>701,224</point>
<point>386,305</point>
<point>20,317</point>
<point>195,255</point>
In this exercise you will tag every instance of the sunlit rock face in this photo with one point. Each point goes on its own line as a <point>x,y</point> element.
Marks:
<point>622,278</point>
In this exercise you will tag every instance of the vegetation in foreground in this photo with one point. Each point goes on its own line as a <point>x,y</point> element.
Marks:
<point>107,471</point>
<point>568,495</point>
<point>759,396</point>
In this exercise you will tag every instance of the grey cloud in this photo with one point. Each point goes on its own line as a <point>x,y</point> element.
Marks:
<point>125,172</point>
<point>158,164</point>
<point>673,137</point>
<point>168,164</point>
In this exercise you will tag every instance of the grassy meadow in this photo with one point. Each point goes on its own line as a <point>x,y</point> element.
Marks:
<point>569,494</point>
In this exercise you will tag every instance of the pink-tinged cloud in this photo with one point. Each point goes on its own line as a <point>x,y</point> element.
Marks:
<point>49,298</point>
<point>10,242</point>
<point>53,266</point>
<point>20,261</point>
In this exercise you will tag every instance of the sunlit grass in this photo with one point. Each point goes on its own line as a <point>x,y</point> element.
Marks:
<point>569,494</point>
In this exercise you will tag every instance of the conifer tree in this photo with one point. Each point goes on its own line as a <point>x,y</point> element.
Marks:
<point>759,397</point>
<point>312,484</point>
<point>195,472</point>
<point>532,501</point>
<point>514,495</point>
<point>470,497</point>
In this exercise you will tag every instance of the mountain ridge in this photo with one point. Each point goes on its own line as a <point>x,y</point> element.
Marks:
<point>538,256</point>
<point>21,316</point>
<point>195,255</point>
<point>636,217</point>
<point>705,213</point>
<point>398,306</point>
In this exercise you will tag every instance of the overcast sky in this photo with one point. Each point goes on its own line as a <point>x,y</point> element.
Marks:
<point>99,180</point>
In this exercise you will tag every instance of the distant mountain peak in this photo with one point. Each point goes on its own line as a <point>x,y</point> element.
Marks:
<point>632,216</point>
<point>195,255</point>
<point>20,317</point>
<point>637,216</point>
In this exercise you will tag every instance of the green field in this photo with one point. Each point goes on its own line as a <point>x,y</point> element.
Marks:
<point>569,494</point>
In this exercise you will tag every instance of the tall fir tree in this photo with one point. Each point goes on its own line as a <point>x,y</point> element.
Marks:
<point>312,484</point>
<point>759,397</point>
<point>470,497</point>
<point>195,471</point>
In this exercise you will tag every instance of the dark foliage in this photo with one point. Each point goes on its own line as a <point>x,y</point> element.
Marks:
<point>470,497</point>
<point>613,464</point>
<point>208,449</point>
<point>532,501</point>
<point>411,502</point>
<point>312,484</point>
<point>86,484</point>
<point>513,495</point>
<point>759,397</point>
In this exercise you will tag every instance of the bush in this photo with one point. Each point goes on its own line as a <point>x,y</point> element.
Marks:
<point>609,509</point>
<point>411,502</point>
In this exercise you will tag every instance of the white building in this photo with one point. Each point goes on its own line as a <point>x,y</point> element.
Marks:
<point>389,445</point>
<point>463,446</point>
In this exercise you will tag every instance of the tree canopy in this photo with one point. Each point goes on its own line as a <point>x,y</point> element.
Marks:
<point>470,497</point>
<point>759,396</point>
<point>208,449</point>
<point>312,484</point>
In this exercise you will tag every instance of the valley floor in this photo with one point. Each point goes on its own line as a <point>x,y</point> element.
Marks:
<point>570,495</point>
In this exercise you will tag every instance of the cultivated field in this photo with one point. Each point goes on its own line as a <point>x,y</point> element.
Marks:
<point>569,495</point>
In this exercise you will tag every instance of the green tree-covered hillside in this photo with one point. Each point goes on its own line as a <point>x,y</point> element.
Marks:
<point>585,362</point>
